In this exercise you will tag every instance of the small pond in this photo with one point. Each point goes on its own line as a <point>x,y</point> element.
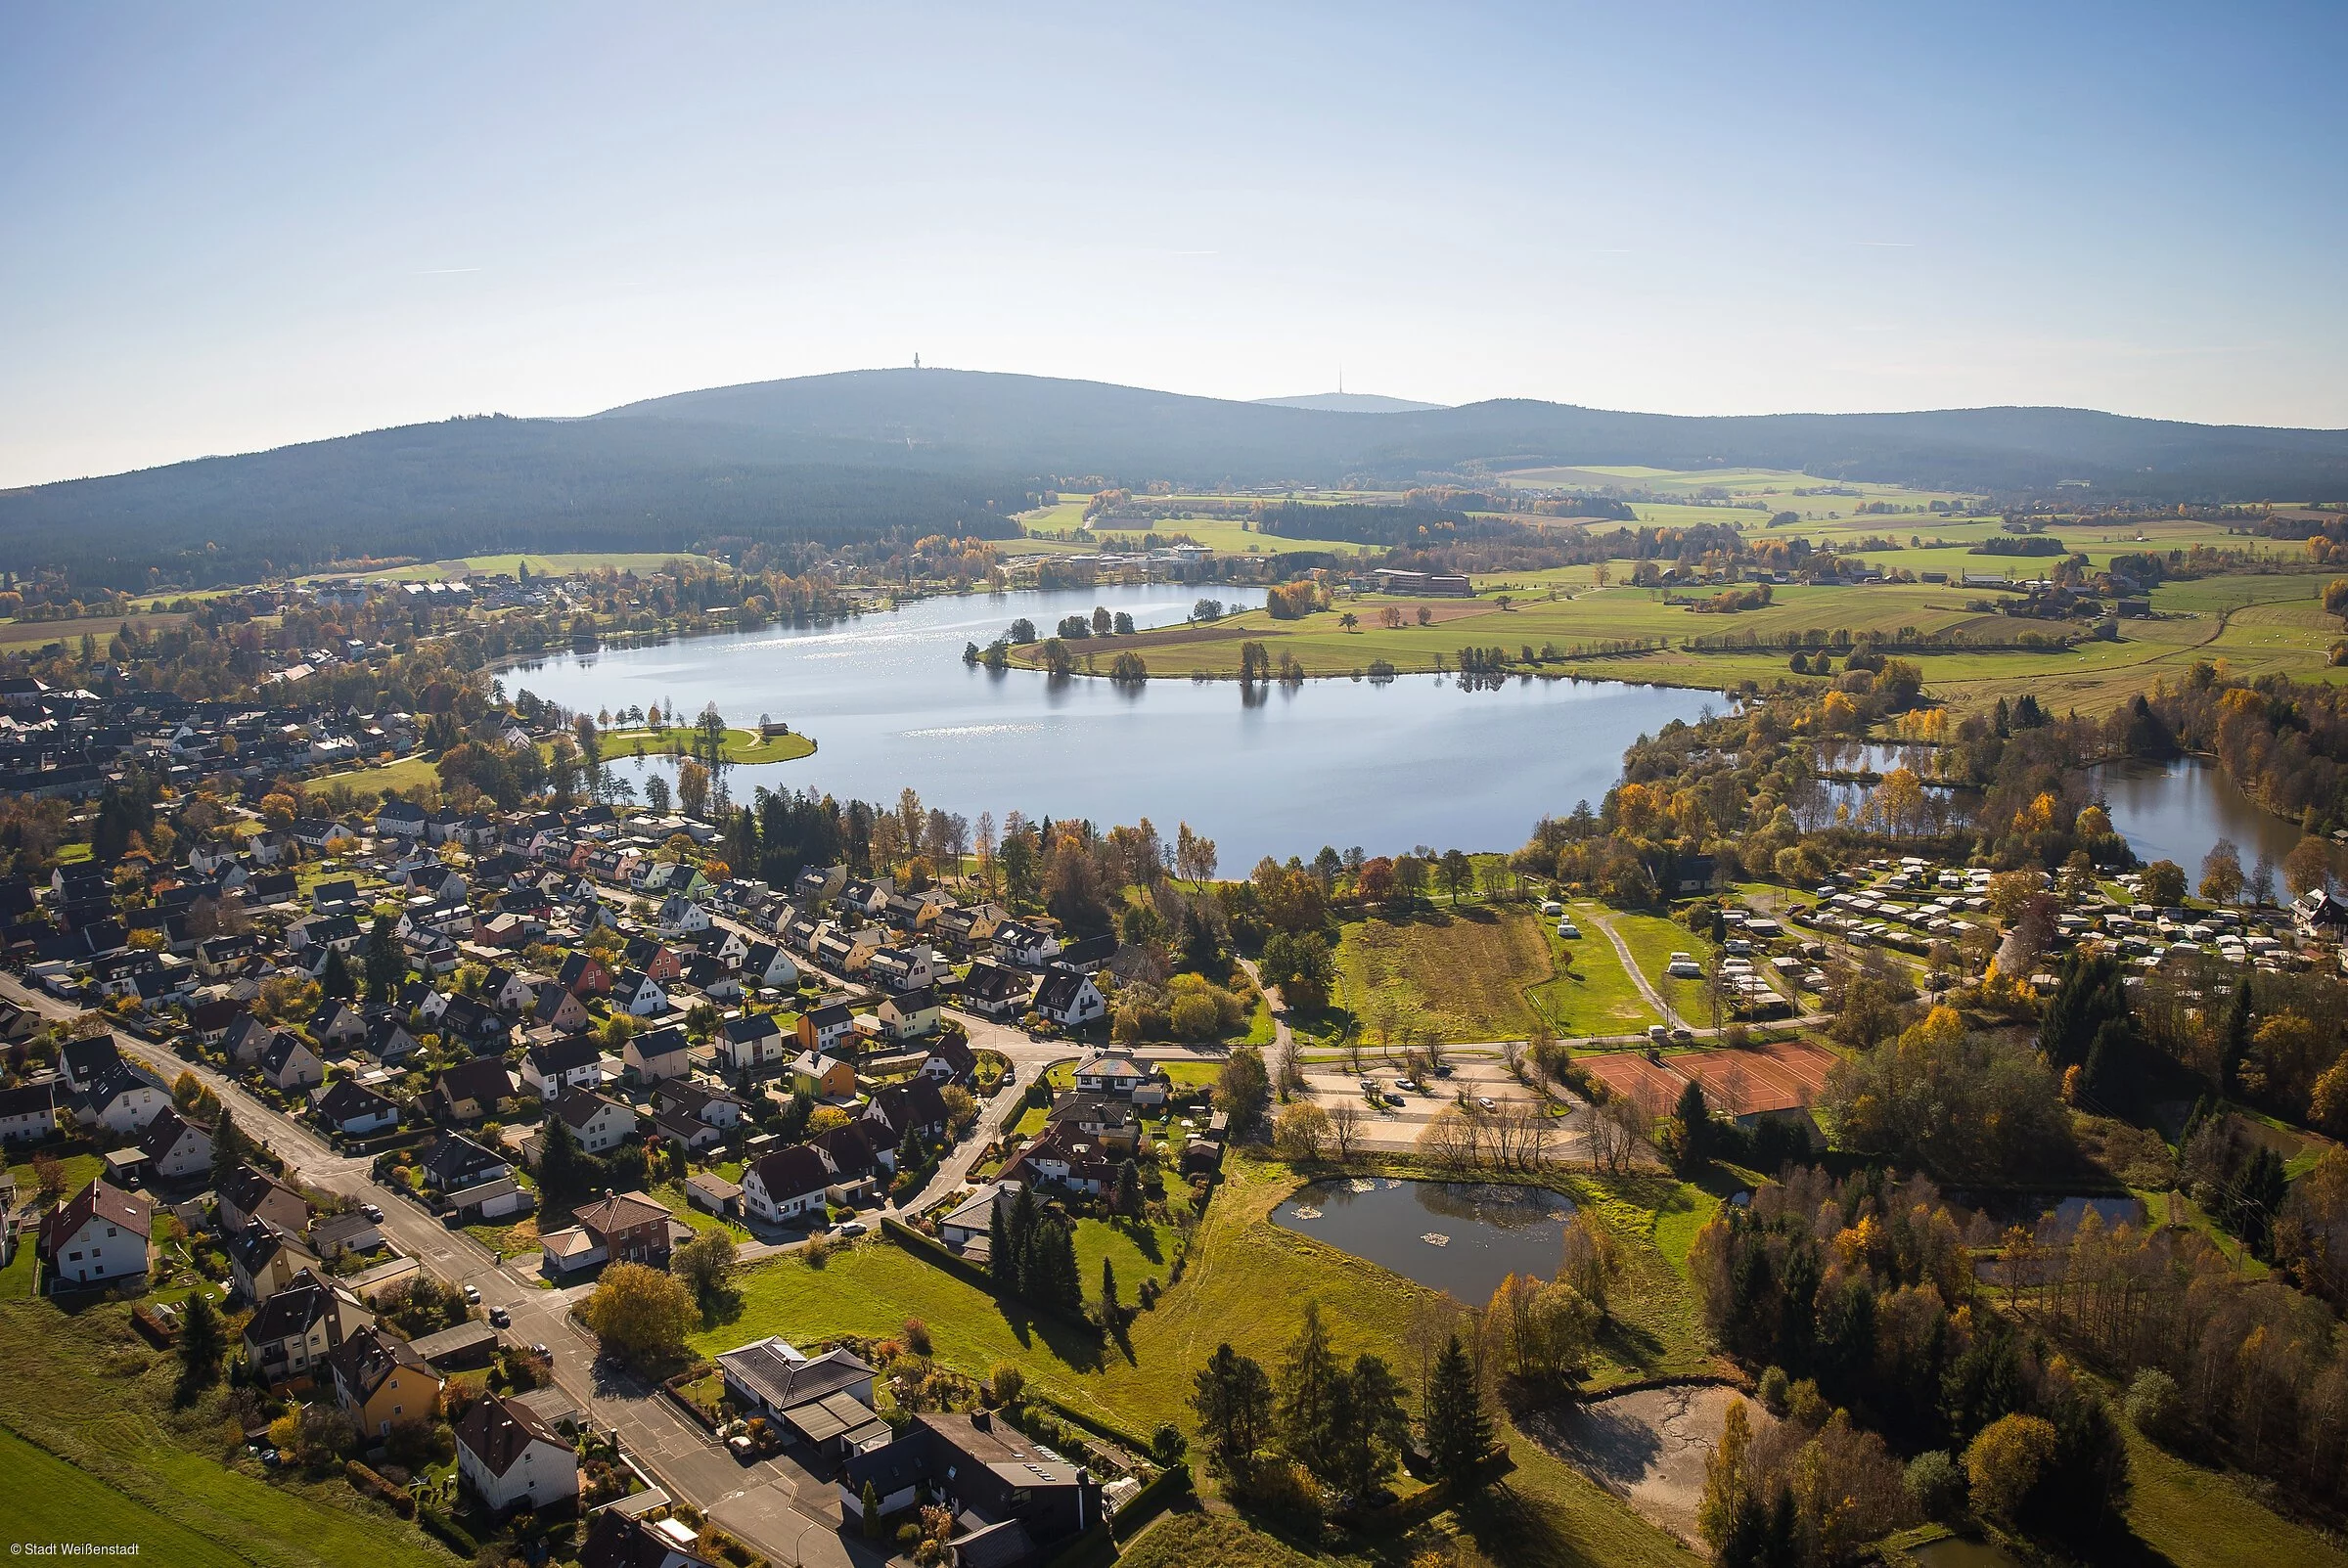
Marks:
<point>1955,1552</point>
<point>1488,1231</point>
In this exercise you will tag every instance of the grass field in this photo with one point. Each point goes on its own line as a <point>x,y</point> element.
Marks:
<point>1595,996</point>
<point>86,1389</point>
<point>741,745</point>
<point>2200,1518</point>
<point>46,1500</point>
<point>2257,625</point>
<point>1464,975</point>
<point>40,634</point>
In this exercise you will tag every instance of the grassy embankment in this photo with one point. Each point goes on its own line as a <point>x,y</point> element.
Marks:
<point>86,1390</point>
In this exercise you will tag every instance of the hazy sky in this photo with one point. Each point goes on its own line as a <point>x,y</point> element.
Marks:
<point>228,227</point>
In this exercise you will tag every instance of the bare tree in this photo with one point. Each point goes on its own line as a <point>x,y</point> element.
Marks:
<point>1345,1129</point>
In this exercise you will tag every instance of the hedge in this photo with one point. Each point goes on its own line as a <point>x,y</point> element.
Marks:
<point>448,1531</point>
<point>1155,1496</point>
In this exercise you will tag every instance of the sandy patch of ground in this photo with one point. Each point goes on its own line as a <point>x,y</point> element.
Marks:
<point>1647,1448</point>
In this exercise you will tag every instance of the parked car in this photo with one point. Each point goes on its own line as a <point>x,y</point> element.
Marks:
<point>1683,1037</point>
<point>850,1227</point>
<point>1658,1033</point>
<point>499,1317</point>
<point>373,1212</point>
<point>473,1295</point>
<point>1568,932</point>
<point>1485,1100</point>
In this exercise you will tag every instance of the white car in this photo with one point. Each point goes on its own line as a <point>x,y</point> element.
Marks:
<point>1485,1101</point>
<point>1659,1035</point>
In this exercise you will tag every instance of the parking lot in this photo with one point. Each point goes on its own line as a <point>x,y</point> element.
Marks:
<point>1397,1128</point>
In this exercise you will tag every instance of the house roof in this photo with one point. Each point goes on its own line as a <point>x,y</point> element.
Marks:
<point>247,1188</point>
<point>752,1027</point>
<point>566,1055</point>
<point>617,1211</point>
<point>783,1378</point>
<point>102,1201</point>
<point>166,1130</point>
<point>579,1107</point>
<point>292,1311</point>
<point>496,1431</point>
<point>1059,991</point>
<point>792,1172</point>
<point>483,1077</point>
<point>369,1355</point>
<point>659,1043</point>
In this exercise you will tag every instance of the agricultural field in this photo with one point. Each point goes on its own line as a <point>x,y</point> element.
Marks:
<point>17,635</point>
<point>1463,973</point>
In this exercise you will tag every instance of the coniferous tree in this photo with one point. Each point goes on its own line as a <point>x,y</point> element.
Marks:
<point>1309,1416</point>
<point>1371,1429</point>
<point>228,1147</point>
<point>1233,1397</point>
<point>1458,1431</point>
<point>562,1165</point>
<point>1002,1257</point>
<point>1129,1190</point>
<point>1695,1128</point>
<point>385,966</point>
<point>335,979</point>
<point>200,1342</point>
<point>2234,1050</point>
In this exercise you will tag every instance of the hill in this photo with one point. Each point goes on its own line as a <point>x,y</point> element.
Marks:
<point>828,460</point>
<point>1350,403</point>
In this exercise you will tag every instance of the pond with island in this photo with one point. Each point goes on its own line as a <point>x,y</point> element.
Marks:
<point>1459,1236</point>
<point>1385,765</point>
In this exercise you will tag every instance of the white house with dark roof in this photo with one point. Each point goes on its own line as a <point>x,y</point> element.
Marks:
<point>509,1458</point>
<point>98,1236</point>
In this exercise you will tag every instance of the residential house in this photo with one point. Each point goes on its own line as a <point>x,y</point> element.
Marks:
<point>817,883</point>
<point>1069,1000</point>
<point>290,1064</point>
<point>866,896</point>
<point>263,1259</point>
<point>388,1038</point>
<point>916,1103</point>
<point>175,1148</point>
<point>616,1228</point>
<point>680,916</point>
<point>552,1068</point>
<point>617,1540</point>
<point>600,1125</point>
<point>353,1109</point>
<point>767,963</point>
<point>97,1238</point>
<point>636,992</point>
<point>823,1401</point>
<point>703,1102</point>
<point>244,1039</point>
<point>338,1025</point>
<point>122,1101</point>
<point>291,1334</point>
<point>787,1185</point>
<point>657,1053</point>
<point>996,993</point>
<point>1062,1155</point>
<point>848,950</point>
<point>474,1023</point>
<point>472,1091</point>
<point>971,926</point>
<point>749,1043</point>
<point>856,1166</point>
<point>251,1195</point>
<point>950,1061</point>
<point>28,1112</point>
<point>339,1235</point>
<point>511,1458</point>
<point>1110,1074</point>
<point>827,1028</point>
<point>1025,944</point>
<point>400,819</point>
<point>1086,956</point>
<point>903,968</point>
<point>1017,1499</point>
<point>1102,1119</point>
<point>661,963</point>
<point>970,1227</point>
<point>822,1077</point>
<point>583,975</point>
<point>910,1015</point>
<point>380,1382</point>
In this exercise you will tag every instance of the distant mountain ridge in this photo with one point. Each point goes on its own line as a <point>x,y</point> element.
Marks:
<point>832,459</point>
<point>1351,403</point>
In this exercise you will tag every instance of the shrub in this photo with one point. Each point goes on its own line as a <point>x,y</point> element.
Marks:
<point>916,1336</point>
<point>1166,1444</point>
<point>1937,1485</point>
<point>2155,1408</point>
<point>1776,1389</point>
<point>2004,1461</point>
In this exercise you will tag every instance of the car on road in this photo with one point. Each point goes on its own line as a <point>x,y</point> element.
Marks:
<point>373,1211</point>
<point>1485,1100</point>
<point>1407,1085</point>
<point>1658,1033</point>
<point>499,1317</point>
<point>1683,1037</point>
<point>473,1295</point>
<point>850,1227</point>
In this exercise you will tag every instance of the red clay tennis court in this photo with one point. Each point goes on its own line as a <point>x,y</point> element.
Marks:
<point>1761,1078</point>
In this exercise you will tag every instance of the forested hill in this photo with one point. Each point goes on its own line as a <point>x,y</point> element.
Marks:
<point>490,485</point>
<point>832,459</point>
<point>1040,424</point>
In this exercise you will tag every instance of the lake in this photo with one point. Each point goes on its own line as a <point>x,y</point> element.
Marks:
<point>2177,810</point>
<point>1489,1231</point>
<point>1417,760</point>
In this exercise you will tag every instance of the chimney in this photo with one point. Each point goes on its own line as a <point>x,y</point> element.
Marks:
<point>984,1420</point>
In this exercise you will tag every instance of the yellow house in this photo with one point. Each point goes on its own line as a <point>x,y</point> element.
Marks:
<point>822,1077</point>
<point>380,1382</point>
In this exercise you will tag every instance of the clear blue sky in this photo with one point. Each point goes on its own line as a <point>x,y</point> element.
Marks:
<point>227,227</point>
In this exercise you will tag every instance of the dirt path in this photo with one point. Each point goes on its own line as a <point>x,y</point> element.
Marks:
<point>1630,967</point>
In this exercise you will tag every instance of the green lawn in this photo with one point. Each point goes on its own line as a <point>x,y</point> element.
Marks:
<point>87,1389</point>
<point>1595,996</point>
<point>1652,940</point>
<point>741,745</point>
<point>46,1500</point>
<point>1138,1252</point>
<point>80,1169</point>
